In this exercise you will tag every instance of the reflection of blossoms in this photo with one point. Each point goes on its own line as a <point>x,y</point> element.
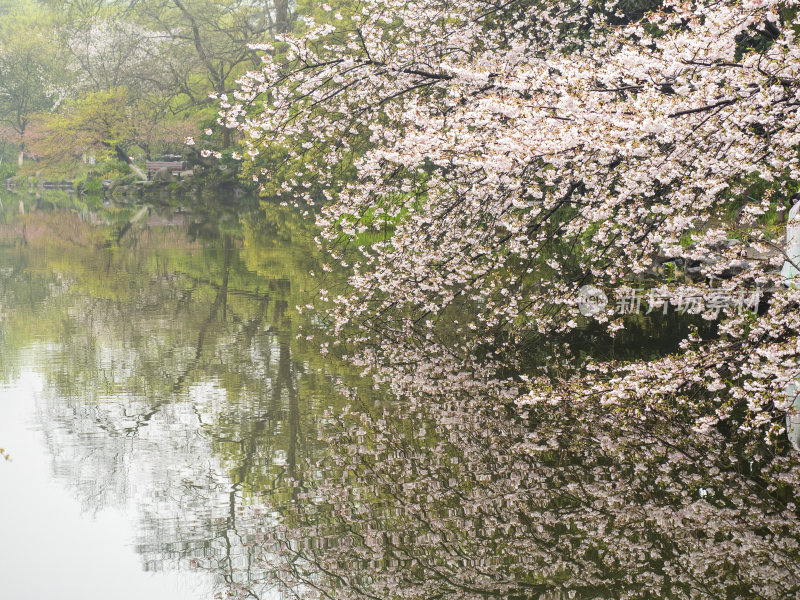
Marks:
<point>449,494</point>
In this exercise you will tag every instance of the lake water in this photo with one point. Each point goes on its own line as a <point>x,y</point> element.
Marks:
<point>151,386</point>
<point>179,429</point>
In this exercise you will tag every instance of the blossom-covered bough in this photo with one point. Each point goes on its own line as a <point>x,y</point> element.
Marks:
<point>487,160</point>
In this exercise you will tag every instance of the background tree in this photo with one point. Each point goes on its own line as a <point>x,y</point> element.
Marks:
<point>210,41</point>
<point>168,56</point>
<point>97,120</point>
<point>30,74</point>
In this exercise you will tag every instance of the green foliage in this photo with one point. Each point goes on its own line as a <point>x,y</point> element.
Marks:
<point>95,121</point>
<point>7,169</point>
<point>114,170</point>
<point>123,77</point>
<point>30,70</point>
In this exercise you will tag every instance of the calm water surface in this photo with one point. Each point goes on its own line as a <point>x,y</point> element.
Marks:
<point>152,386</point>
<point>162,398</point>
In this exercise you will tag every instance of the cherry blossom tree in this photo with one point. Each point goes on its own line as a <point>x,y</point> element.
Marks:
<point>107,51</point>
<point>492,159</point>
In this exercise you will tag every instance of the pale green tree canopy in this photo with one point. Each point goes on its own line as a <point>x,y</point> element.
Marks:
<point>30,74</point>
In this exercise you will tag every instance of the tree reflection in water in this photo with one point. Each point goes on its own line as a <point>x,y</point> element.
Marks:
<point>175,379</point>
<point>448,495</point>
<point>178,377</point>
